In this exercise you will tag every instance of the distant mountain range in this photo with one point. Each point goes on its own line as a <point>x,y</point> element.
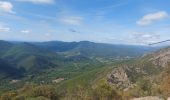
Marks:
<point>31,57</point>
<point>87,48</point>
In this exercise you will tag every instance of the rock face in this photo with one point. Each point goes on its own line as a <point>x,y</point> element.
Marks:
<point>149,69</point>
<point>148,98</point>
<point>161,58</point>
<point>119,77</point>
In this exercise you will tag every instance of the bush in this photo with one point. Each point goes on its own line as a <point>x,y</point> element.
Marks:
<point>8,96</point>
<point>105,92</point>
<point>45,91</point>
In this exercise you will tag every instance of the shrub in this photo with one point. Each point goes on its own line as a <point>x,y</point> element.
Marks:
<point>45,91</point>
<point>105,92</point>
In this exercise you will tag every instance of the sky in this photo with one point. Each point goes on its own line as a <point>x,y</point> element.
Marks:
<point>103,21</point>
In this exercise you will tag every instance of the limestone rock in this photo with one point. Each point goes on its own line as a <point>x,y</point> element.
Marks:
<point>148,98</point>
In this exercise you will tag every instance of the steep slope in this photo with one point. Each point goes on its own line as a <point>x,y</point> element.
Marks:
<point>7,71</point>
<point>28,57</point>
<point>148,75</point>
<point>160,58</point>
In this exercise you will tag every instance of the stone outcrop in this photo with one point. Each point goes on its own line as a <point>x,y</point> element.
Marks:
<point>161,58</point>
<point>119,78</point>
<point>148,98</point>
<point>58,80</point>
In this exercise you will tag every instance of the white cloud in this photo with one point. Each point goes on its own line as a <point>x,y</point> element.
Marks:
<point>39,1</point>
<point>144,38</point>
<point>152,17</point>
<point>6,7</point>
<point>25,31</point>
<point>4,29</point>
<point>47,34</point>
<point>72,20</point>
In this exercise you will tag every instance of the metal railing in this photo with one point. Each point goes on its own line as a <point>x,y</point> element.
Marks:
<point>159,42</point>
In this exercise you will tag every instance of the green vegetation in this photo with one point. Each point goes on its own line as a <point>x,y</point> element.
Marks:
<point>77,71</point>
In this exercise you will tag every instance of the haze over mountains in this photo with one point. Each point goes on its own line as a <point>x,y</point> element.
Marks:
<point>129,58</point>
<point>35,56</point>
<point>136,70</point>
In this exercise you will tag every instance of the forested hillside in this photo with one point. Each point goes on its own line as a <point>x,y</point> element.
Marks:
<point>86,70</point>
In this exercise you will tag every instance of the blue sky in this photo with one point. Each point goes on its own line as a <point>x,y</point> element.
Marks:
<point>105,21</point>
